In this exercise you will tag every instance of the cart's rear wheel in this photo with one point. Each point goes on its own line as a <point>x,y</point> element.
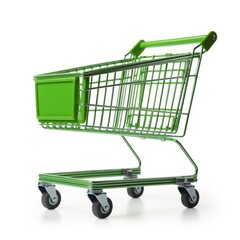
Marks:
<point>99,211</point>
<point>135,192</point>
<point>187,201</point>
<point>48,203</point>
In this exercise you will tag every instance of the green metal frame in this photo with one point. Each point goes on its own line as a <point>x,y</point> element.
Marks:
<point>82,178</point>
<point>85,107</point>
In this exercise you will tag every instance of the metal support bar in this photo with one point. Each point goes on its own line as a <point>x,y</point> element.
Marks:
<point>185,152</point>
<point>133,152</point>
<point>82,178</point>
<point>100,196</point>
<point>50,189</point>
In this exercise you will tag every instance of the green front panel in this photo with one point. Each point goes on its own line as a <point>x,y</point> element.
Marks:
<point>56,99</point>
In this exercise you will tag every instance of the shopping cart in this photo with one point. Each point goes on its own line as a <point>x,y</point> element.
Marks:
<point>138,96</point>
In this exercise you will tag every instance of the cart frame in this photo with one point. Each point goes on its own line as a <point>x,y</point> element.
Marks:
<point>102,205</point>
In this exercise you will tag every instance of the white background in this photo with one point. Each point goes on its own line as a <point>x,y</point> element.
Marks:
<point>42,36</point>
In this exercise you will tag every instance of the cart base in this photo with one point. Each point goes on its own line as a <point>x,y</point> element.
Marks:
<point>101,204</point>
<point>81,179</point>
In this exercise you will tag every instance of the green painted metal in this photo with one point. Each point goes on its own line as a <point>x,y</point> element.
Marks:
<point>57,98</point>
<point>133,152</point>
<point>81,178</point>
<point>140,182</point>
<point>117,183</point>
<point>98,173</point>
<point>84,100</point>
<point>148,97</point>
<point>186,154</point>
<point>131,83</point>
<point>206,41</point>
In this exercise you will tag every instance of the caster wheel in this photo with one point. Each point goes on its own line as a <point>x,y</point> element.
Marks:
<point>187,201</point>
<point>135,192</point>
<point>99,211</point>
<point>48,203</point>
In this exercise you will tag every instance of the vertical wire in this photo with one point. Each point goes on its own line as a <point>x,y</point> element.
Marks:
<point>184,85</point>
<point>96,102</point>
<point>116,115</point>
<point>161,95</point>
<point>111,102</point>
<point>174,94</point>
<point>184,68</point>
<point>149,96</point>
<point>194,83</point>
<point>88,101</point>
<point>91,82</point>
<point>141,94</point>
<point>137,96</point>
<point>166,102</point>
<point>104,100</point>
<point>134,95</point>
<point>155,97</point>
<point>123,97</point>
<point>131,90</point>
<point>131,94</point>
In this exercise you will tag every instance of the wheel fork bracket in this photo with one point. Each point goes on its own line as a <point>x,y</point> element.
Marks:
<point>50,189</point>
<point>100,196</point>
<point>190,189</point>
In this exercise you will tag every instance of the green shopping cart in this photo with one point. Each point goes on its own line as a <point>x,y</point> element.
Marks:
<point>139,96</point>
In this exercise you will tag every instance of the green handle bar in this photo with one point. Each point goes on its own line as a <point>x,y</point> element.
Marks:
<point>206,41</point>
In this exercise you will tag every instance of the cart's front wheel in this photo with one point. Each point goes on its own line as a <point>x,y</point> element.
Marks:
<point>48,203</point>
<point>135,192</point>
<point>187,201</point>
<point>99,211</point>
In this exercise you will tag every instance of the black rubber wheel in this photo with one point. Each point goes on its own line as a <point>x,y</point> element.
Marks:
<point>48,203</point>
<point>187,201</point>
<point>135,192</point>
<point>99,211</point>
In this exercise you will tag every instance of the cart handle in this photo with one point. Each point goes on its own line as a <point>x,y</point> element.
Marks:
<point>206,41</point>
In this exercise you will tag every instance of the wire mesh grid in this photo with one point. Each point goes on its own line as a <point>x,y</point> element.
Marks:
<point>148,100</point>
